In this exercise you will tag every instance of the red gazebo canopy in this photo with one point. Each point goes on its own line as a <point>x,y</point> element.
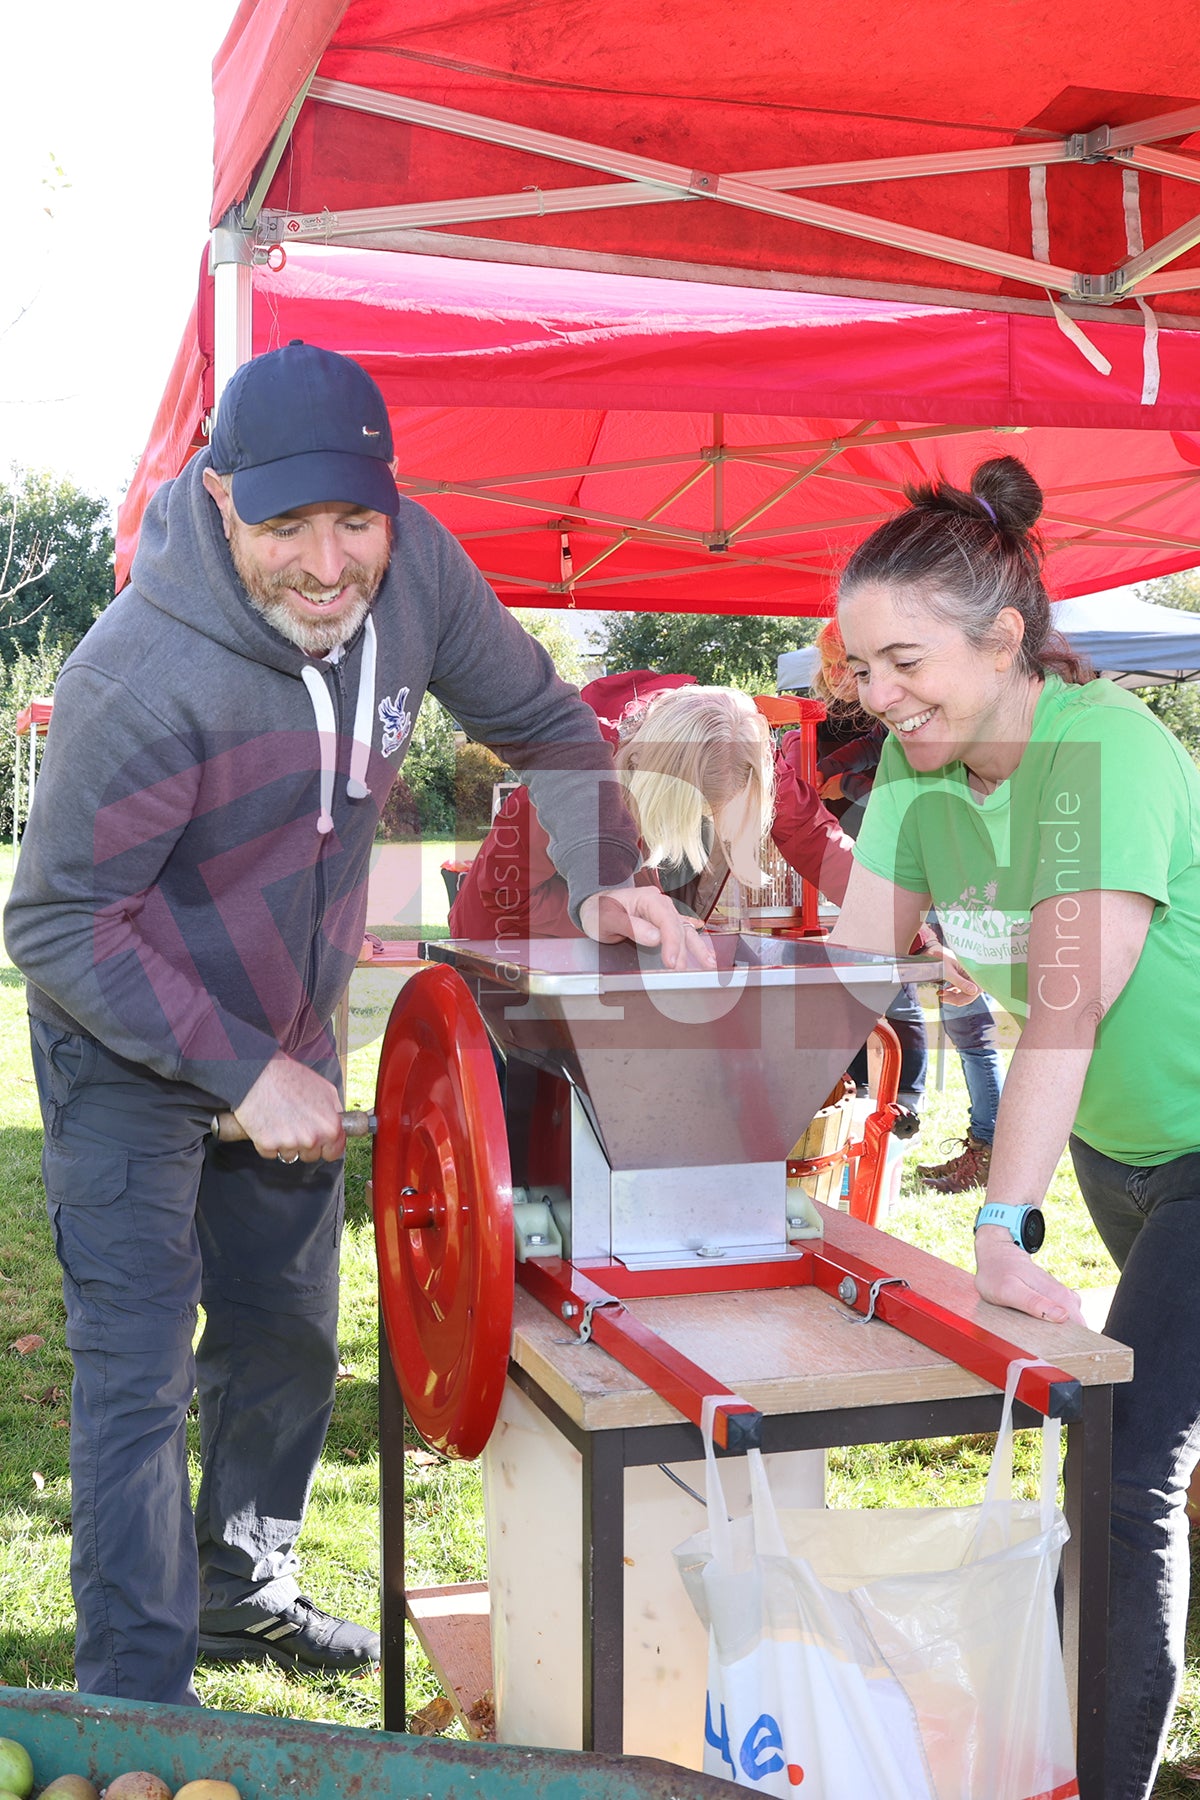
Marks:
<point>889,233</point>
<point>990,148</point>
<point>625,443</point>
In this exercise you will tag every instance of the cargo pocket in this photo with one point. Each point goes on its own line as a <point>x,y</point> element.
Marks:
<point>94,1230</point>
<point>63,1063</point>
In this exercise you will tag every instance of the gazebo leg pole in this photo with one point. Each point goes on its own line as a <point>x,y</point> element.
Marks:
<point>33,742</point>
<point>16,796</point>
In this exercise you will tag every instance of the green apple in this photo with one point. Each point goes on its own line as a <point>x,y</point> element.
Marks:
<point>16,1770</point>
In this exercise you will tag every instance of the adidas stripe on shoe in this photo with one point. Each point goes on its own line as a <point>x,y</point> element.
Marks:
<point>301,1635</point>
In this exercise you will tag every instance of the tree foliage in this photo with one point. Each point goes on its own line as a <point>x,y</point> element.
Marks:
<point>1178,706</point>
<point>552,634</point>
<point>1181,591</point>
<point>429,769</point>
<point>719,649</point>
<point>62,555</point>
<point>24,676</point>
<point>445,787</point>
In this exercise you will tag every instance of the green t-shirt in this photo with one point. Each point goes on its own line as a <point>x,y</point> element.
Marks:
<point>1103,797</point>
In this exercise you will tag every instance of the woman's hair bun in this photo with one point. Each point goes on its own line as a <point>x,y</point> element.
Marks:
<point>1010,491</point>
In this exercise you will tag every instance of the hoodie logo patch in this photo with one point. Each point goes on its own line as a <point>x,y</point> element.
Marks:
<point>396,721</point>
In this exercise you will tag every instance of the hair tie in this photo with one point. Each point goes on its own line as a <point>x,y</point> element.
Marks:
<point>987,509</point>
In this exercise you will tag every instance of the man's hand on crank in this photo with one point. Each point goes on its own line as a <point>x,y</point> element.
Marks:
<point>646,915</point>
<point>293,1113</point>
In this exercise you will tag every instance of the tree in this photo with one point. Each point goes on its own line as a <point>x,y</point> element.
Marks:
<point>719,649</point>
<point>554,637</point>
<point>1181,591</point>
<point>58,545</point>
<point>429,768</point>
<point>1177,705</point>
<point>19,569</point>
<point>446,787</point>
<point>24,676</point>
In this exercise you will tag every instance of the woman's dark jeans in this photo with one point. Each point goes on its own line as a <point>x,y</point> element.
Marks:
<point>1149,1219</point>
<point>907,1019</point>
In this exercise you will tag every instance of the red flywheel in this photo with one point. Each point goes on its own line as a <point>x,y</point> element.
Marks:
<point>443,1212</point>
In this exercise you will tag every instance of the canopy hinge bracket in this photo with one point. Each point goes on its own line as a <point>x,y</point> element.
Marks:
<point>1090,146</point>
<point>1097,289</point>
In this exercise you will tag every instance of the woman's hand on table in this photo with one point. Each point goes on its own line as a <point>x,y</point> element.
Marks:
<point>958,988</point>
<point>1007,1276</point>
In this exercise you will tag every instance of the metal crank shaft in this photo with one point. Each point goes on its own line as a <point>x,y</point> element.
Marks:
<point>227,1128</point>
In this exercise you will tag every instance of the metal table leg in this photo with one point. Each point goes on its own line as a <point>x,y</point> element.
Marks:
<point>391,1543</point>
<point>603,1551</point>
<point>1088,1484</point>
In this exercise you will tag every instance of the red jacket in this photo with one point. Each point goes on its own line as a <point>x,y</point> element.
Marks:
<point>513,890</point>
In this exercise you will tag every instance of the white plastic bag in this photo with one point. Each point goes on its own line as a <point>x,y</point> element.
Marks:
<point>897,1654</point>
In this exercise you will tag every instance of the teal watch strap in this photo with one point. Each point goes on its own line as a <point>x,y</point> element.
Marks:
<point>1024,1224</point>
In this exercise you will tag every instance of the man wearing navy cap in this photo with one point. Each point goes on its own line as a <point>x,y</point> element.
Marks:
<point>187,911</point>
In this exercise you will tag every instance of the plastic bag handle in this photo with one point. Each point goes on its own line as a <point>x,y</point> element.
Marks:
<point>998,1492</point>
<point>1051,1457</point>
<point>768,1533</point>
<point>720,1529</point>
<point>768,1536</point>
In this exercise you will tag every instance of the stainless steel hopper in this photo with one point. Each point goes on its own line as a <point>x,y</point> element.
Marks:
<point>693,1087</point>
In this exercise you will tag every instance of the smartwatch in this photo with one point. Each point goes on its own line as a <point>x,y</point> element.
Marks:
<point>1025,1224</point>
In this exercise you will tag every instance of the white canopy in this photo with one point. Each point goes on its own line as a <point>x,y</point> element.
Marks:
<point>1134,642</point>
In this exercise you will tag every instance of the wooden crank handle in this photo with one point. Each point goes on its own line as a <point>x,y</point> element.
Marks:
<point>227,1129</point>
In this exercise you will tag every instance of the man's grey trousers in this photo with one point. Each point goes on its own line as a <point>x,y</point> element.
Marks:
<point>150,1217</point>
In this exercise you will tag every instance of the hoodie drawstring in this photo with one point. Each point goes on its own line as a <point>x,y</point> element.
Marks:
<point>322,705</point>
<point>326,722</point>
<point>364,717</point>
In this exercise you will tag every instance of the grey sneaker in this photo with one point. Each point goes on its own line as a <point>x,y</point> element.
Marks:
<point>299,1635</point>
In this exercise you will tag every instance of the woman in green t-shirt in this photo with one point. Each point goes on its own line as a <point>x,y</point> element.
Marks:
<point>1054,823</point>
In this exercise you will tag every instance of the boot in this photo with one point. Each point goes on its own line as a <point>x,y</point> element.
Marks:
<point>967,1169</point>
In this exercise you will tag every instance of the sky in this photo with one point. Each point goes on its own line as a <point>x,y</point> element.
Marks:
<point>101,261</point>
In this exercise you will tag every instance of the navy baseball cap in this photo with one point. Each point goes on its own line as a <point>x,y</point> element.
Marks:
<point>301,426</point>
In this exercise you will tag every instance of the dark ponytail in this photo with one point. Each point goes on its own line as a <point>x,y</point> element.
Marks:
<point>966,556</point>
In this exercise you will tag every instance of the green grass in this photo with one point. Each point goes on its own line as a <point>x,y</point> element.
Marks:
<point>444,1537</point>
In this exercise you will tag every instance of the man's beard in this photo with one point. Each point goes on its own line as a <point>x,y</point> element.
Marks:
<point>267,594</point>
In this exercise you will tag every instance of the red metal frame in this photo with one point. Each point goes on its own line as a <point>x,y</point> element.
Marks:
<point>589,1299</point>
<point>596,1314</point>
<point>785,710</point>
<point>868,1156</point>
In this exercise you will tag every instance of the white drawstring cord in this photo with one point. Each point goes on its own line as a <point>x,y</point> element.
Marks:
<point>322,705</point>
<point>364,717</point>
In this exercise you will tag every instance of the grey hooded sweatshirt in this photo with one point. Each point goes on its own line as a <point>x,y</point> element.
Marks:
<point>191,889</point>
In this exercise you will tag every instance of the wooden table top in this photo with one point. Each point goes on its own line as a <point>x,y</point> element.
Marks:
<point>797,1350</point>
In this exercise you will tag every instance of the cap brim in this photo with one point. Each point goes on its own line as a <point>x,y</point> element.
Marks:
<point>324,477</point>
